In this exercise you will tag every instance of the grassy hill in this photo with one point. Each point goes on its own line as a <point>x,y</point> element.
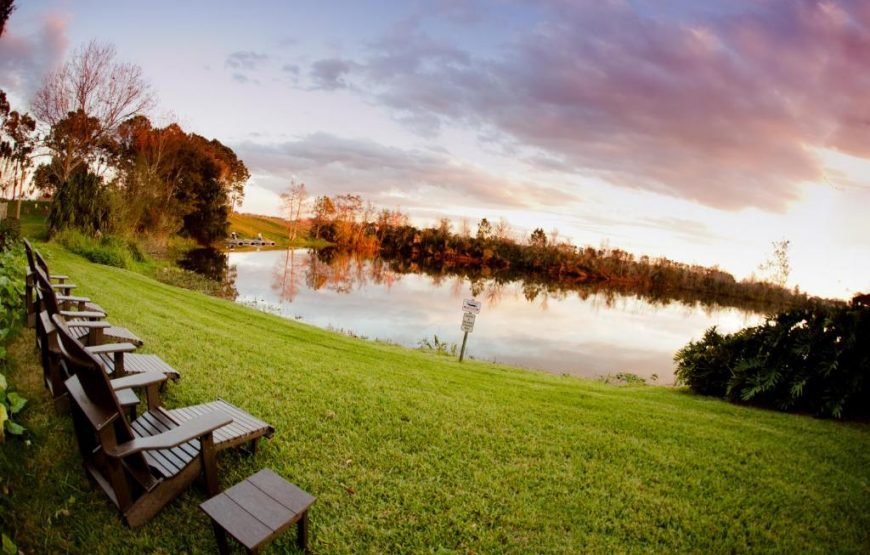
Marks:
<point>408,451</point>
<point>248,225</point>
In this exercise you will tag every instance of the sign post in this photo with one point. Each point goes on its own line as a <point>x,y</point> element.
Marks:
<point>470,308</point>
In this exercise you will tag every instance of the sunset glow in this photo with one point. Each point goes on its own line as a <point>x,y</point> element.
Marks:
<point>700,131</point>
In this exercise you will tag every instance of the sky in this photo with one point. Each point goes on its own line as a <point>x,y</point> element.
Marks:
<point>699,131</point>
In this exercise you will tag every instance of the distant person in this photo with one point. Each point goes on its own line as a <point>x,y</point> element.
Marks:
<point>259,237</point>
<point>234,236</point>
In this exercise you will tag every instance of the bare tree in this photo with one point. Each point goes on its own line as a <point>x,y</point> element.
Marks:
<point>778,266</point>
<point>464,227</point>
<point>94,84</point>
<point>293,200</point>
<point>503,230</point>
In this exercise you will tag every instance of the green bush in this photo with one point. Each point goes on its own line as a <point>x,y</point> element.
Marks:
<point>12,264</point>
<point>108,250</point>
<point>813,359</point>
<point>10,232</point>
<point>11,317</point>
<point>82,203</point>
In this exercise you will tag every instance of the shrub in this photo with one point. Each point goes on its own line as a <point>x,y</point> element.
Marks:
<point>108,250</point>
<point>11,317</point>
<point>10,232</point>
<point>812,359</point>
<point>11,292</point>
<point>82,203</point>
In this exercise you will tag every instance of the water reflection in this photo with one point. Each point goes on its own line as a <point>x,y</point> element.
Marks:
<point>583,330</point>
<point>214,265</point>
<point>207,261</point>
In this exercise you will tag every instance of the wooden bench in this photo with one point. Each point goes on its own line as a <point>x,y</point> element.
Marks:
<point>257,510</point>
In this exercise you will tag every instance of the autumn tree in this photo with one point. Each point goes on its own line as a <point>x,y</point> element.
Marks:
<point>293,199</point>
<point>324,213</point>
<point>6,9</point>
<point>203,198</point>
<point>232,172</point>
<point>348,208</point>
<point>150,173</point>
<point>538,239</point>
<point>484,230</point>
<point>102,93</point>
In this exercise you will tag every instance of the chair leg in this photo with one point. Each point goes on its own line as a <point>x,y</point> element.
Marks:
<point>302,533</point>
<point>209,464</point>
<point>221,537</point>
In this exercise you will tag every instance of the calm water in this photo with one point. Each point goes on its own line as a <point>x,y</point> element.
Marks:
<point>597,335</point>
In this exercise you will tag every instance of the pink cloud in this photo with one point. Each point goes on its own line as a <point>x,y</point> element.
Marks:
<point>720,109</point>
<point>336,165</point>
<point>26,59</point>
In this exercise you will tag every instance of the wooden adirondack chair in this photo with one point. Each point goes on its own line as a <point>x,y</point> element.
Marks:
<point>86,309</point>
<point>115,358</point>
<point>30,296</point>
<point>88,326</point>
<point>145,463</point>
<point>66,300</point>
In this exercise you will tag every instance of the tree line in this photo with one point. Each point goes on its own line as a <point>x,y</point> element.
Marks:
<point>543,261</point>
<point>106,167</point>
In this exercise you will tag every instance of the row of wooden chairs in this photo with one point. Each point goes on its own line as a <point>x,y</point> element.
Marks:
<point>91,369</point>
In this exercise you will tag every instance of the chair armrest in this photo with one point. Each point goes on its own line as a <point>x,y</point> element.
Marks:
<point>140,379</point>
<point>59,277</point>
<point>111,348</point>
<point>73,299</point>
<point>192,429</point>
<point>87,324</point>
<point>63,285</point>
<point>82,314</point>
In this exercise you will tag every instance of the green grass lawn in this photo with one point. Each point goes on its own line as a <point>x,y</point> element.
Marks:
<point>412,452</point>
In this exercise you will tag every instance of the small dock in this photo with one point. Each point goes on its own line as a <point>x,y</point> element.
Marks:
<point>233,243</point>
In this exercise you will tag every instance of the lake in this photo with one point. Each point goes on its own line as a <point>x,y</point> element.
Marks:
<point>589,333</point>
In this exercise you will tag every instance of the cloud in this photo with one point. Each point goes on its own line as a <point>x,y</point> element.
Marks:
<point>245,60</point>
<point>243,63</point>
<point>330,73</point>
<point>720,108</point>
<point>390,176</point>
<point>26,59</point>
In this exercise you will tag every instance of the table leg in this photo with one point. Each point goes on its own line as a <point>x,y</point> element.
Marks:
<point>221,537</point>
<point>302,533</point>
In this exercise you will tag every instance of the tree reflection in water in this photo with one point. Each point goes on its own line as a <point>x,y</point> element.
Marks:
<point>345,271</point>
<point>213,265</point>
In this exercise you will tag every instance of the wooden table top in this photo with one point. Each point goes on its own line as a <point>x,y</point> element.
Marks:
<point>259,508</point>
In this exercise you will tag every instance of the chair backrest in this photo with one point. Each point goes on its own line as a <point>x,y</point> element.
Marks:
<point>40,262</point>
<point>45,294</point>
<point>90,372</point>
<point>91,393</point>
<point>49,354</point>
<point>28,249</point>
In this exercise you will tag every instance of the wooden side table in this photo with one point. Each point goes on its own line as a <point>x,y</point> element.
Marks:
<point>257,510</point>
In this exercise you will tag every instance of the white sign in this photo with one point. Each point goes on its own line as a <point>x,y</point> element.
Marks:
<point>472,305</point>
<point>467,321</point>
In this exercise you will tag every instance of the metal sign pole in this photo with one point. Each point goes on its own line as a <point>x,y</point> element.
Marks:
<point>470,307</point>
